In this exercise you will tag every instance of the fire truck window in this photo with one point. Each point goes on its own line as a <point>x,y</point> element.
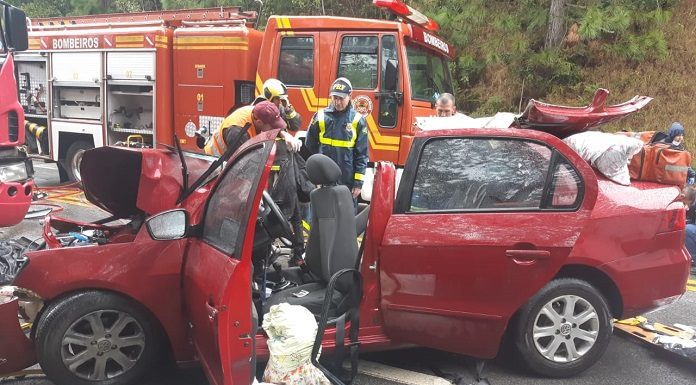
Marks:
<point>296,61</point>
<point>228,209</point>
<point>473,174</point>
<point>358,61</point>
<point>429,74</point>
<point>388,106</point>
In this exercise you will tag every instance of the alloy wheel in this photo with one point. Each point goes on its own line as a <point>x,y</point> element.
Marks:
<point>102,345</point>
<point>565,328</point>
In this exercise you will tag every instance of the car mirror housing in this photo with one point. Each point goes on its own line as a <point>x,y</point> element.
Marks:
<point>168,225</point>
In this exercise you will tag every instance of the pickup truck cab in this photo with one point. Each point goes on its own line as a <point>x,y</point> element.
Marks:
<point>492,234</point>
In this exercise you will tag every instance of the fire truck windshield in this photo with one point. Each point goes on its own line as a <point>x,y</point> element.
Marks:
<point>429,73</point>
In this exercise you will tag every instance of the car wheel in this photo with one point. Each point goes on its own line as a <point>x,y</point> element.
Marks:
<point>73,159</point>
<point>563,329</point>
<point>96,338</point>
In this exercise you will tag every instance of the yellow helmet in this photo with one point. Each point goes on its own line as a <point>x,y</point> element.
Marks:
<point>273,88</point>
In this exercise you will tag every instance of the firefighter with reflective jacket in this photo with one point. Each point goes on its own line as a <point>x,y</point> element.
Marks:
<point>251,120</point>
<point>340,132</point>
<point>276,92</point>
<point>282,187</point>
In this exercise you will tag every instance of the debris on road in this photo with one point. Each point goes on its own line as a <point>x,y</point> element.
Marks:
<point>679,339</point>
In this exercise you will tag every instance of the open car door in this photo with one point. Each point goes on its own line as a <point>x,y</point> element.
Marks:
<point>218,269</point>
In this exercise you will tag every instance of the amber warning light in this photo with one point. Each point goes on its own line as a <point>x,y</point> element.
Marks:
<point>401,9</point>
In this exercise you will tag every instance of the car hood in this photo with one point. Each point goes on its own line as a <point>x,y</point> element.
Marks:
<point>128,182</point>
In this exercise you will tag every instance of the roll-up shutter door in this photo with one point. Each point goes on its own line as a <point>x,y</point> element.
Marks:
<point>131,65</point>
<point>77,67</point>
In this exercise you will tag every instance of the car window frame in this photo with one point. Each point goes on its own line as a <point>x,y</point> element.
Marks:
<point>245,218</point>
<point>402,202</point>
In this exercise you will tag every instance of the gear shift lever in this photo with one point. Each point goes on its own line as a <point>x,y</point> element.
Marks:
<point>282,283</point>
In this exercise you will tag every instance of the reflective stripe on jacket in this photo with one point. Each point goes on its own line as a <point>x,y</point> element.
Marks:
<point>342,136</point>
<point>217,143</point>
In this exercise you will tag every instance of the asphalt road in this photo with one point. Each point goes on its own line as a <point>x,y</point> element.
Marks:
<point>627,360</point>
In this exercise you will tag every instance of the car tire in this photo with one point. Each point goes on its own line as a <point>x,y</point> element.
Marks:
<point>77,344</point>
<point>555,341</point>
<point>73,159</point>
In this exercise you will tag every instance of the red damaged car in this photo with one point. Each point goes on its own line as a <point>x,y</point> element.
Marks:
<point>493,234</point>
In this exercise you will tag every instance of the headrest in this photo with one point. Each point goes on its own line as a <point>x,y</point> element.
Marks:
<point>322,170</point>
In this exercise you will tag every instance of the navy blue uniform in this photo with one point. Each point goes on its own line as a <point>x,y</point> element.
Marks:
<point>342,136</point>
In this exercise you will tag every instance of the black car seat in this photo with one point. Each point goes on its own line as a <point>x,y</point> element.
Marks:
<point>332,244</point>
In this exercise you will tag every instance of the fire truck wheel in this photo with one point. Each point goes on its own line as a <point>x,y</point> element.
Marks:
<point>564,328</point>
<point>73,158</point>
<point>96,338</point>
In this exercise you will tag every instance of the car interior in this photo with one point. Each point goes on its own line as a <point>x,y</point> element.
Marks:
<point>332,247</point>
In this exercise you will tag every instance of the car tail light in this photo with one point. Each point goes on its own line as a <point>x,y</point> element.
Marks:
<point>673,220</point>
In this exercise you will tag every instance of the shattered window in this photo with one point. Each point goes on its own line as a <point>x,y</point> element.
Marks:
<point>229,205</point>
<point>480,174</point>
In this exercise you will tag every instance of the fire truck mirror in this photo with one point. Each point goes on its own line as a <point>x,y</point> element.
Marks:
<point>15,24</point>
<point>391,76</point>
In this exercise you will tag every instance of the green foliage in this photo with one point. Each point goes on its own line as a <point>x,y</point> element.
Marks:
<point>43,8</point>
<point>88,7</point>
<point>547,69</point>
<point>492,105</point>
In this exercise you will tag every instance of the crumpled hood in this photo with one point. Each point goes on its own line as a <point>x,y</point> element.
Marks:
<point>127,182</point>
<point>12,259</point>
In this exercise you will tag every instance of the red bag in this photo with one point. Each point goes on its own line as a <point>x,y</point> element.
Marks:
<point>659,163</point>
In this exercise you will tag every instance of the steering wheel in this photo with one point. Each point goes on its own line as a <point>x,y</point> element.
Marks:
<point>274,221</point>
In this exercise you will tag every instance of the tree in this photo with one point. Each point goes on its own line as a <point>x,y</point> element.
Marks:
<point>556,29</point>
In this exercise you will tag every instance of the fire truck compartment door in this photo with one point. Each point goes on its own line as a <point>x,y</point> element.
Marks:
<point>77,67</point>
<point>131,65</point>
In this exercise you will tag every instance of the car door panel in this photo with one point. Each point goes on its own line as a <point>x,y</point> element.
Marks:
<point>452,279</point>
<point>217,274</point>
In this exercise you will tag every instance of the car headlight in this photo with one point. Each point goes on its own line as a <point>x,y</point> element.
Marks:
<point>14,172</point>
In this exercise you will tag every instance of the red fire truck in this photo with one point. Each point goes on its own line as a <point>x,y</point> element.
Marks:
<point>15,169</point>
<point>137,79</point>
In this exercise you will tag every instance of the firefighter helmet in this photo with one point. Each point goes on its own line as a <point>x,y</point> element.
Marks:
<point>274,88</point>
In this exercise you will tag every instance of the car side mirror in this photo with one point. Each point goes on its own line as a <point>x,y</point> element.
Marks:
<point>391,76</point>
<point>15,24</point>
<point>168,225</point>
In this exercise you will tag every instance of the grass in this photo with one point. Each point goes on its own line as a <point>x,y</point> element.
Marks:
<point>671,82</point>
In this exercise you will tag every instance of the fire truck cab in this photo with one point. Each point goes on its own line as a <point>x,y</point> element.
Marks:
<point>142,79</point>
<point>16,183</point>
<point>397,69</point>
